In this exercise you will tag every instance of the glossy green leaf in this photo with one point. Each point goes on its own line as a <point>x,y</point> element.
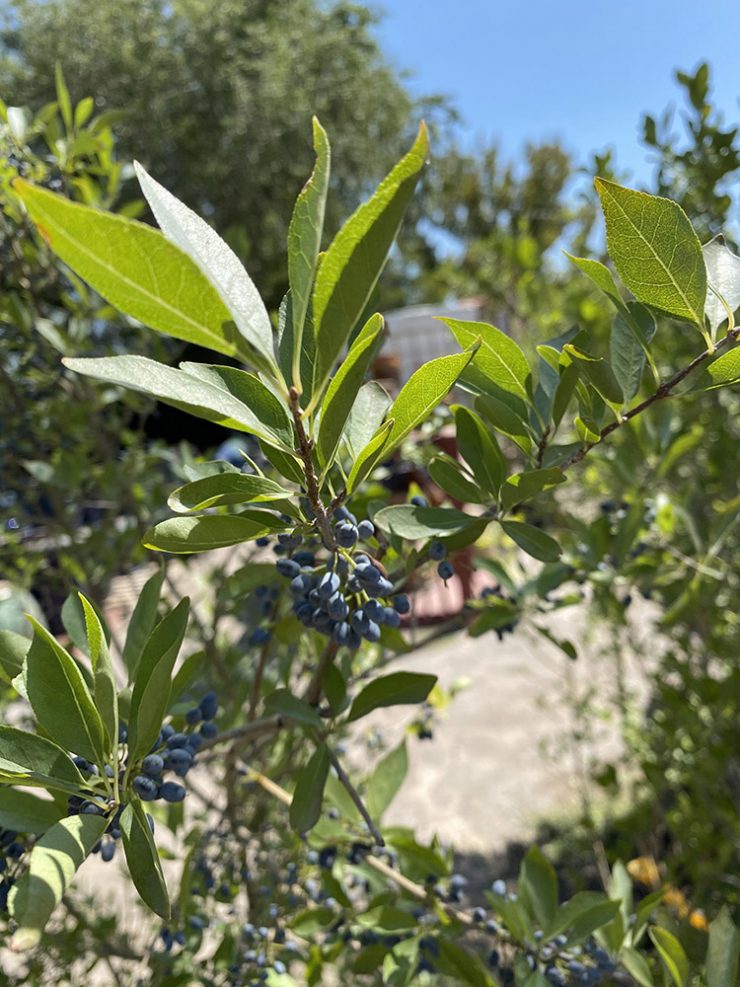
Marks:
<point>270,412</point>
<point>597,372</point>
<point>412,522</point>
<point>52,865</point>
<point>724,371</point>
<point>143,860</point>
<point>225,488</point>
<point>505,420</point>
<point>344,387</point>
<point>480,450</point>
<point>60,699</point>
<point>386,780</point>
<point>448,475</point>
<point>219,265</point>
<point>153,681</point>
<point>367,415</point>
<point>538,886</point>
<point>723,950</point>
<point>524,486</point>
<point>304,241</point>
<point>142,620</point>
<point>106,692</point>
<point>13,650</point>
<point>284,702</point>
<point>600,275</point>
<point>655,250</point>
<point>305,807</point>
<point>397,689</point>
<point>201,533</point>
<point>351,266</point>
<point>370,456</point>
<point>533,541</point>
<point>286,464</point>
<point>73,619</point>
<point>27,813</point>
<point>672,954</point>
<point>499,369</point>
<point>723,277</point>
<point>134,267</point>
<point>37,760</point>
<point>184,391</point>
<point>637,966</point>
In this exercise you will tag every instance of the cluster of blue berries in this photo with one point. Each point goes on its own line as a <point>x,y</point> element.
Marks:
<point>176,751</point>
<point>12,848</point>
<point>348,597</point>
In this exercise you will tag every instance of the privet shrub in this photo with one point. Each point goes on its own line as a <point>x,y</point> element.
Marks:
<point>288,875</point>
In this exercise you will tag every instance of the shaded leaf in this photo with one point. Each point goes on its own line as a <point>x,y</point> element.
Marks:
<point>143,860</point>
<point>106,693</point>
<point>397,689</point>
<point>671,953</point>
<point>386,780</point>
<point>143,620</point>
<point>283,701</point>
<point>533,541</point>
<point>186,535</point>
<point>412,522</point>
<point>225,488</point>
<point>27,813</point>
<point>723,950</point>
<point>305,807</point>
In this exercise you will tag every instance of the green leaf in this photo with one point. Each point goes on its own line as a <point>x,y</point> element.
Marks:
<point>724,371</point>
<point>723,950</point>
<point>304,240</point>
<point>533,541</point>
<point>448,475</point>
<point>523,486</point>
<point>201,533</point>
<point>579,917</point>
<point>60,699</point>
<point>225,488</point>
<point>655,250</point>
<point>397,689</point>
<point>286,465</point>
<point>189,393</point>
<point>412,522</point>
<point>505,420</point>
<point>65,104</point>
<point>497,614</point>
<point>538,886</point>
<point>284,702</point>
<point>305,807</point>
<point>480,450</point>
<point>143,620</point>
<point>106,693</point>
<point>351,266</point>
<point>723,277</point>
<point>268,410</point>
<point>153,681</point>
<point>26,813</point>
<point>13,650</point>
<point>499,369</point>
<point>369,457</point>
<point>637,966</point>
<point>52,865</point>
<point>143,860</point>
<point>627,344</point>
<point>597,372</point>
<point>367,414</point>
<point>671,953</point>
<point>344,387</point>
<point>218,263</point>
<point>134,267</point>
<point>385,781</point>
<point>464,967</point>
<point>600,275</point>
<point>73,619</point>
<point>36,760</point>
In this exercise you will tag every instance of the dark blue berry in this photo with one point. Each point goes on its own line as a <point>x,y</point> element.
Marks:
<point>328,585</point>
<point>209,705</point>
<point>179,761</point>
<point>401,603</point>
<point>366,529</point>
<point>371,632</point>
<point>209,731</point>
<point>193,716</point>
<point>177,740</point>
<point>419,501</point>
<point>341,633</point>
<point>170,791</point>
<point>437,551</point>
<point>145,788</point>
<point>262,542</point>
<point>346,535</point>
<point>390,617</point>
<point>288,568</point>
<point>108,851</point>
<point>337,607</point>
<point>260,635</point>
<point>152,765</point>
<point>446,570</point>
<point>195,740</point>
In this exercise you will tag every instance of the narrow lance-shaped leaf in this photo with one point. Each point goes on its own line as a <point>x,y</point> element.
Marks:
<point>600,275</point>
<point>27,813</point>
<point>134,267</point>
<point>413,522</point>
<point>52,865</point>
<point>672,954</point>
<point>386,780</point>
<point>304,242</point>
<point>225,488</point>
<point>366,416</point>
<point>143,620</point>
<point>597,372</point>
<point>533,541</point>
<point>352,264</point>
<point>370,456</point>
<point>305,807</point>
<point>219,264</point>
<point>480,450</point>
<point>60,699</point>
<point>344,387</point>
<point>629,341</point>
<point>106,693</point>
<point>204,399</point>
<point>448,475</point>
<point>723,950</point>
<point>143,860</point>
<point>202,533</point>
<point>655,250</point>
<point>397,689</point>
<point>37,760</point>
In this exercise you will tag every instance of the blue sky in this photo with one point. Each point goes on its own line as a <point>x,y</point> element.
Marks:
<point>581,71</point>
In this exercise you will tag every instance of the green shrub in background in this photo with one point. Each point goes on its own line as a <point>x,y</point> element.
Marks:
<point>329,890</point>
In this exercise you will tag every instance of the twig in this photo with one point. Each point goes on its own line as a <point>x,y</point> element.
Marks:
<point>355,796</point>
<point>249,731</point>
<point>259,672</point>
<point>542,446</point>
<point>315,686</point>
<point>305,450</point>
<point>662,392</point>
